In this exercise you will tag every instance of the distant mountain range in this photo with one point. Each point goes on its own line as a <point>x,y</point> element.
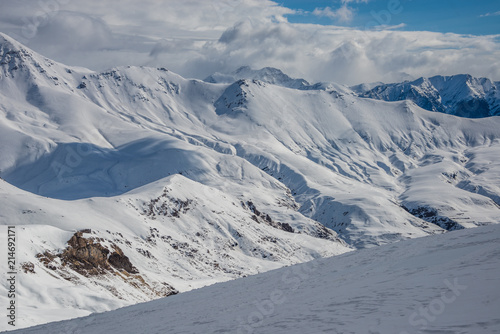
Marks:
<point>460,95</point>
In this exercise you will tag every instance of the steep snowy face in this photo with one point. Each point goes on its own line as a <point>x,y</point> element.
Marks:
<point>23,68</point>
<point>191,182</point>
<point>460,95</point>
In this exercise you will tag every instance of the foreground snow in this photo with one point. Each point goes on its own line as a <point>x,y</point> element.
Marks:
<point>438,284</point>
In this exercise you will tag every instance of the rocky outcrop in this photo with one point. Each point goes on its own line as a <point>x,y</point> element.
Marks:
<point>120,261</point>
<point>88,256</point>
<point>431,215</point>
<point>99,260</point>
<point>167,206</point>
<point>261,217</point>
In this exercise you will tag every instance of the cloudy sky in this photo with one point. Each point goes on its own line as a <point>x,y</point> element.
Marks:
<point>347,41</point>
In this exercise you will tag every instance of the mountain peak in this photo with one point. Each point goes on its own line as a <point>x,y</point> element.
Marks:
<point>31,70</point>
<point>12,52</point>
<point>6,40</point>
<point>269,75</point>
<point>15,58</point>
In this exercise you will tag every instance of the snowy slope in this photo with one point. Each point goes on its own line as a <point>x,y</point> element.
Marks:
<point>178,234</point>
<point>366,153</point>
<point>439,284</point>
<point>199,182</point>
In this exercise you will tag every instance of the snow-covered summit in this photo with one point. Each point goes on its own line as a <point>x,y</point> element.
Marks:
<point>27,66</point>
<point>267,74</point>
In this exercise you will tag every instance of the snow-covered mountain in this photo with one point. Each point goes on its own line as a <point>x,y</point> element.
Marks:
<point>267,74</point>
<point>136,183</point>
<point>460,95</point>
<point>439,284</point>
<point>276,77</point>
<point>95,172</point>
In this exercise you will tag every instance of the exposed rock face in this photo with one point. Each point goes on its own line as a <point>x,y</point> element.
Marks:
<point>165,205</point>
<point>28,267</point>
<point>85,256</point>
<point>431,215</point>
<point>89,257</point>
<point>100,260</point>
<point>265,218</point>
<point>120,261</point>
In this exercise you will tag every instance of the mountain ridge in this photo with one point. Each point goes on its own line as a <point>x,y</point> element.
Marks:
<point>460,95</point>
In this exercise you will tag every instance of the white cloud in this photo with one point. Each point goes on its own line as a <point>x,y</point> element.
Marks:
<point>344,14</point>
<point>72,31</point>
<point>348,55</point>
<point>198,37</point>
<point>389,27</point>
<point>490,14</point>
